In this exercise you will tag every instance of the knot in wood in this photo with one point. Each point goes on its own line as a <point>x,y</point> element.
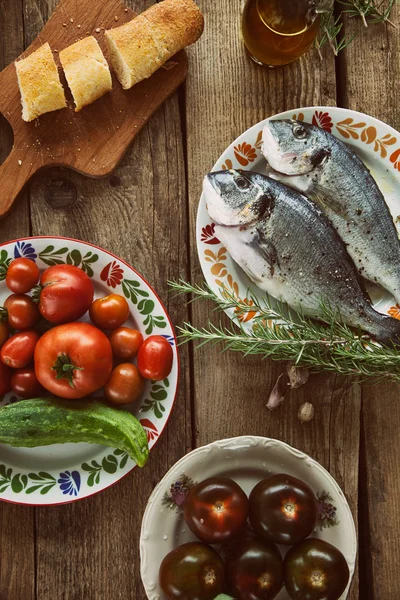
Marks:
<point>60,194</point>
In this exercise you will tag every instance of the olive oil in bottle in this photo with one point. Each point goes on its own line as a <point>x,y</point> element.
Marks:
<point>278,32</point>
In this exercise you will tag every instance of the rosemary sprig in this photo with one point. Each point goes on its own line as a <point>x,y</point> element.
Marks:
<point>279,334</point>
<point>370,11</point>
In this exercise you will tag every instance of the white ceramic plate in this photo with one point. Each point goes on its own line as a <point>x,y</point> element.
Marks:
<point>377,144</point>
<point>247,460</point>
<point>67,472</point>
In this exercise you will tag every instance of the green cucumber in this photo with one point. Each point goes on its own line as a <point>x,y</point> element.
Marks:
<point>45,421</point>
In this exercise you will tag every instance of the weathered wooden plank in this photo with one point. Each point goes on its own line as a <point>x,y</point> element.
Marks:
<point>226,94</point>
<point>17,532</point>
<point>369,69</point>
<point>91,549</point>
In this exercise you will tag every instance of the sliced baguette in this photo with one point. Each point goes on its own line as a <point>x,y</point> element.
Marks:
<point>143,45</point>
<point>86,71</point>
<point>39,84</point>
<point>175,24</point>
<point>133,51</point>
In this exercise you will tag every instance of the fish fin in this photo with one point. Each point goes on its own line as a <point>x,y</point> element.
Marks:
<point>267,250</point>
<point>318,195</point>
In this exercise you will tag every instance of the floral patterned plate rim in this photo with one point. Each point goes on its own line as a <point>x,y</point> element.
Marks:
<point>377,144</point>
<point>63,473</point>
<point>247,460</point>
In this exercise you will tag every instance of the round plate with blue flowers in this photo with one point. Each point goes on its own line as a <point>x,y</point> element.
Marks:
<point>67,472</point>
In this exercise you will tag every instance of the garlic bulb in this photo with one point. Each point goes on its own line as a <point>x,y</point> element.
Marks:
<point>306,412</point>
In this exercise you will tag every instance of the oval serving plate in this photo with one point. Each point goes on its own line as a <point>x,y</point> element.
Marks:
<point>377,144</point>
<point>247,460</point>
<point>67,472</point>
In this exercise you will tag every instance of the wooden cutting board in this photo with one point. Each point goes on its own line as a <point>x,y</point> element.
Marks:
<point>94,140</point>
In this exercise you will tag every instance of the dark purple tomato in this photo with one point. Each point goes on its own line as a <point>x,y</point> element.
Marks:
<point>315,570</point>
<point>193,571</point>
<point>283,509</point>
<point>216,510</point>
<point>254,570</point>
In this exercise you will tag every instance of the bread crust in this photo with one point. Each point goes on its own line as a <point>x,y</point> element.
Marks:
<point>143,45</point>
<point>39,84</point>
<point>86,71</point>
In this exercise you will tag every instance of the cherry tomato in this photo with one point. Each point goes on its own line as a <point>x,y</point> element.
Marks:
<point>315,570</point>
<point>18,350</point>
<point>216,510</point>
<point>4,332</point>
<point>22,275</point>
<point>5,379</point>
<point>66,294</point>
<point>25,384</point>
<point>125,342</point>
<point>155,358</point>
<point>109,312</point>
<point>283,509</point>
<point>125,384</point>
<point>254,570</point>
<point>193,571</point>
<point>73,360</point>
<point>23,313</point>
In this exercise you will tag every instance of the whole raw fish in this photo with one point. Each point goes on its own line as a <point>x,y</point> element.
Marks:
<point>328,171</point>
<point>288,247</point>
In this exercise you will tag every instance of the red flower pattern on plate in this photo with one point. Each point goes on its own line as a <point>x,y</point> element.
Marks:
<point>323,120</point>
<point>112,274</point>
<point>207,234</point>
<point>245,154</point>
<point>151,430</point>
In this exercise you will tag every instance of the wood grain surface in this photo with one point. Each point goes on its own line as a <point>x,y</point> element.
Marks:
<point>145,212</point>
<point>93,140</point>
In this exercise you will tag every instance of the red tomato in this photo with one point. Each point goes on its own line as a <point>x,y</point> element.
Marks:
<point>5,379</point>
<point>73,360</point>
<point>125,342</point>
<point>22,275</point>
<point>22,311</point>
<point>66,294</point>
<point>4,333</point>
<point>25,384</point>
<point>18,351</point>
<point>109,312</point>
<point>216,510</point>
<point>125,384</point>
<point>155,358</point>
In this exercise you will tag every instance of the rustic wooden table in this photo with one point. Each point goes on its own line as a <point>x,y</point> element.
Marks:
<point>145,213</point>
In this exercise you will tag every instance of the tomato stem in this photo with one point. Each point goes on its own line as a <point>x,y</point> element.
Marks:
<point>36,291</point>
<point>65,369</point>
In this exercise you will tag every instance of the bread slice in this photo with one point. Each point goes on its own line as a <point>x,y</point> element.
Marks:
<point>39,84</point>
<point>143,45</point>
<point>134,53</point>
<point>175,24</point>
<point>86,71</point>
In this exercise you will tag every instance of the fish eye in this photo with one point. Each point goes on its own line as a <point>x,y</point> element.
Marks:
<point>242,183</point>
<point>299,131</point>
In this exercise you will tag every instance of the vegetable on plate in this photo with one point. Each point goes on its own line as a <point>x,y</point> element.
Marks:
<point>21,311</point>
<point>216,510</point>
<point>283,509</point>
<point>125,384</point>
<point>45,421</point>
<point>193,571</point>
<point>18,351</point>
<point>109,312</point>
<point>22,275</point>
<point>125,342</point>
<point>73,360</point>
<point>155,358</point>
<point>65,293</point>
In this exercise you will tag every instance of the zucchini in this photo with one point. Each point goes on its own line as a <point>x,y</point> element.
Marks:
<point>45,421</point>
